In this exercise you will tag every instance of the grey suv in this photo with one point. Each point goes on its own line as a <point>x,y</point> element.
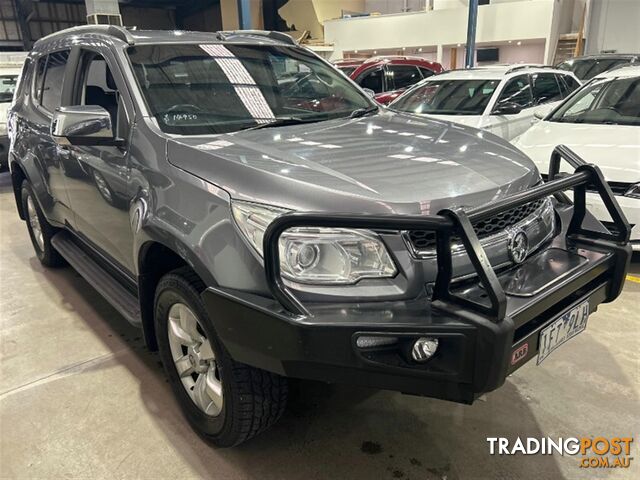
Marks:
<point>260,218</point>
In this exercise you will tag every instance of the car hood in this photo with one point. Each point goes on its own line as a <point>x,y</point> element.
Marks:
<point>387,162</point>
<point>613,148</point>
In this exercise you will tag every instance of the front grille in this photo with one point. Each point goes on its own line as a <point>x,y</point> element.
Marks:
<point>422,240</point>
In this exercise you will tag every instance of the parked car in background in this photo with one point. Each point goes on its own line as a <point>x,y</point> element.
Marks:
<point>10,68</point>
<point>601,123</point>
<point>389,76</point>
<point>499,99</point>
<point>347,66</point>
<point>588,66</point>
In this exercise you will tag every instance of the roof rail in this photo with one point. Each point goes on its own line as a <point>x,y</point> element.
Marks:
<point>121,33</point>
<point>528,65</point>
<point>279,36</point>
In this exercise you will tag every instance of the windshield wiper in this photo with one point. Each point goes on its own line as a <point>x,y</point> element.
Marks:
<point>361,112</point>
<point>283,122</point>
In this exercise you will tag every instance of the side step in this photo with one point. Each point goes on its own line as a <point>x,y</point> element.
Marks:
<point>118,296</point>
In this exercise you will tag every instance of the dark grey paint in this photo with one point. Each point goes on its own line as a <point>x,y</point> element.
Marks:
<point>176,191</point>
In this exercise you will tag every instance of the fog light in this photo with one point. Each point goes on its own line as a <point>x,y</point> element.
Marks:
<point>370,341</point>
<point>424,348</point>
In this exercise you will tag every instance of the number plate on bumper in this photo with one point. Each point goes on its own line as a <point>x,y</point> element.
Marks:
<point>570,324</point>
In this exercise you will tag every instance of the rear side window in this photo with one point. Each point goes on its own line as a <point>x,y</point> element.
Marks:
<point>518,91</point>
<point>403,76</point>
<point>545,88</point>
<point>49,79</point>
<point>37,83</point>
<point>24,79</point>
<point>373,80</point>
<point>571,83</point>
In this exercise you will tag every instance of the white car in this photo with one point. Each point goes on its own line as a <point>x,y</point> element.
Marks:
<point>601,123</point>
<point>10,68</point>
<point>500,99</point>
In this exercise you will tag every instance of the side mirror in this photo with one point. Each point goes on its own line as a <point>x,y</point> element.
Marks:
<point>370,93</point>
<point>83,125</point>
<point>507,108</point>
<point>541,112</point>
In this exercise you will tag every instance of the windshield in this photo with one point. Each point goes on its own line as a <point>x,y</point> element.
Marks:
<point>608,101</point>
<point>7,87</point>
<point>347,70</point>
<point>212,88</point>
<point>588,68</point>
<point>447,97</point>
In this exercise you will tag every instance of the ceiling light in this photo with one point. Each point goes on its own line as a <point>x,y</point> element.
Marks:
<point>519,43</point>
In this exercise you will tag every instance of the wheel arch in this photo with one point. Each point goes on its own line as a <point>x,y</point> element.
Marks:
<point>18,175</point>
<point>155,259</point>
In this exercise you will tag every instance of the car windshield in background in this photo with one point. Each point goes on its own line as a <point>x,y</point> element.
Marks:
<point>447,97</point>
<point>347,70</point>
<point>609,101</point>
<point>588,68</point>
<point>7,87</point>
<point>210,89</point>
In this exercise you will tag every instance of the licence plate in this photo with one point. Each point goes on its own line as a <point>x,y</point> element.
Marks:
<point>570,324</point>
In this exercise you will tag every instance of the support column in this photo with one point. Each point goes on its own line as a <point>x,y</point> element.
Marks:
<point>439,54</point>
<point>244,14</point>
<point>470,55</point>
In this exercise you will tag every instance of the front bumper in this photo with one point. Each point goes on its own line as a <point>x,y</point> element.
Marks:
<point>487,327</point>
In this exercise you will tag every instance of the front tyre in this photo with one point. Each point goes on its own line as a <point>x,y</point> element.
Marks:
<point>40,231</point>
<point>225,401</point>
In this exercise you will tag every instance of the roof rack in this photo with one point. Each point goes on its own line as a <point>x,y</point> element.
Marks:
<point>118,32</point>
<point>279,36</point>
<point>528,65</point>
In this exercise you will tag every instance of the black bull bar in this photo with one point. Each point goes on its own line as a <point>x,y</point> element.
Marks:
<point>449,222</point>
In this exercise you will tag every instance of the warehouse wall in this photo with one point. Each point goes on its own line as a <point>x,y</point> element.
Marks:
<point>520,20</point>
<point>614,25</point>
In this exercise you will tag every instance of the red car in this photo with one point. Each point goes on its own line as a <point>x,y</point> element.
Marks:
<point>389,76</point>
<point>347,66</point>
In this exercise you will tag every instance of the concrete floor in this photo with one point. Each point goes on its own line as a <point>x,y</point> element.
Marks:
<point>80,397</point>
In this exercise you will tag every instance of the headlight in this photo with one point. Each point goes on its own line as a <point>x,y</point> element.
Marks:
<point>317,255</point>
<point>634,191</point>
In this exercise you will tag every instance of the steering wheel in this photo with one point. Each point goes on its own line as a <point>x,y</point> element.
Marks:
<point>184,108</point>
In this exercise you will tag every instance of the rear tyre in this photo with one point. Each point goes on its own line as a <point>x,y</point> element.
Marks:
<point>40,231</point>
<point>225,401</point>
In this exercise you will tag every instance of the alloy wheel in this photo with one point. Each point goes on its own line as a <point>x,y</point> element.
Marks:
<point>194,360</point>
<point>34,222</point>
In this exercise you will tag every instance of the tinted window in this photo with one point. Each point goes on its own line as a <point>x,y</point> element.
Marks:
<point>99,88</point>
<point>372,80</point>
<point>568,84</point>
<point>209,89</point>
<point>545,88</point>
<point>37,83</point>
<point>588,68</point>
<point>518,91</point>
<point>347,70</point>
<point>426,72</point>
<point>447,97</point>
<point>403,76</point>
<point>53,79</point>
